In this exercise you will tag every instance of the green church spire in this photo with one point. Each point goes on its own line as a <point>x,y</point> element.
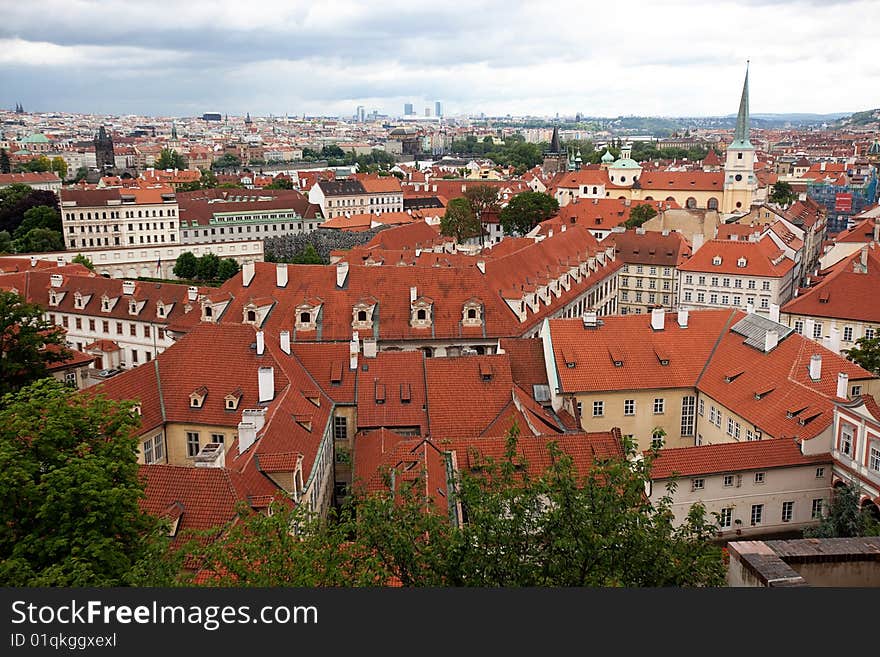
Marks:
<point>741,135</point>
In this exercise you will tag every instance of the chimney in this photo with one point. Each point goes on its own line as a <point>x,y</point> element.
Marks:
<point>816,367</point>
<point>683,317</point>
<point>842,384</point>
<point>128,287</point>
<point>481,265</point>
<point>266,381</point>
<point>281,274</point>
<point>822,166</point>
<point>774,312</point>
<point>192,293</point>
<point>658,319</point>
<point>370,348</point>
<point>353,349</point>
<point>864,259</point>
<point>750,308</point>
<point>261,343</point>
<point>248,270</point>
<point>211,455</point>
<point>252,421</point>
<point>550,233</point>
<point>33,261</point>
<point>285,341</point>
<point>697,242</point>
<point>60,261</point>
<point>56,280</point>
<point>833,342</point>
<point>413,294</point>
<point>771,339</point>
<point>341,274</point>
<point>877,229</point>
<point>590,318</point>
<point>809,325</point>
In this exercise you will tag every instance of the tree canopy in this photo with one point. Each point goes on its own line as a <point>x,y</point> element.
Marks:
<point>639,215</point>
<point>208,268</point>
<point>227,161</point>
<point>79,258</point>
<point>170,159</point>
<point>28,342</point>
<point>783,194</point>
<point>845,518</point>
<point>866,354</point>
<point>460,221</point>
<point>526,210</point>
<point>69,489</point>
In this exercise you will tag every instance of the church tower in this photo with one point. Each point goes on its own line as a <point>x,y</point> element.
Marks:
<point>104,156</point>
<point>739,167</point>
<point>555,160</point>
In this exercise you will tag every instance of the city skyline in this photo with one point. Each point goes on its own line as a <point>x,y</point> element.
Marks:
<point>682,59</point>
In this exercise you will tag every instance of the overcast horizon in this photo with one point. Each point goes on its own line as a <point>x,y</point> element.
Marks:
<point>684,59</point>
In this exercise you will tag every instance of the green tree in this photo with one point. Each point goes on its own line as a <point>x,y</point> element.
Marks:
<point>39,240</point>
<point>866,354</point>
<point>5,242</point>
<point>227,269</point>
<point>40,216</point>
<point>5,166</point>
<point>186,265</point>
<point>208,264</point>
<point>280,183</point>
<point>170,159</point>
<point>526,210</point>
<point>481,199</point>
<point>69,489</point>
<point>309,256</point>
<point>783,194</point>
<point>59,166</point>
<point>17,199</point>
<point>28,343</point>
<point>227,161</point>
<point>332,151</point>
<point>38,164</point>
<point>79,258</point>
<point>208,179</point>
<point>459,221</point>
<point>639,214</point>
<point>81,174</point>
<point>845,518</point>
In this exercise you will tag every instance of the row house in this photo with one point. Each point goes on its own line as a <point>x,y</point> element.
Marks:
<point>650,272</point>
<point>120,323</point>
<point>119,217</point>
<point>441,304</point>
<point>366,194</point>
<point>209,216</point>
<point>835,309</point>
<point>856,449</point>
<point>701,377</point>
<point>737,273</point>
<point>45,180</point>
<point>865,232</point>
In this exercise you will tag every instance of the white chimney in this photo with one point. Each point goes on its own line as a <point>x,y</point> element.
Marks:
<point>281,274</point>
<point>833,342</point>
<point>771,339</point>
<point>809,326</point>
<point>353,349</point>
<point>877,230</point>
<point>341,274</point>
<point>261,343</point>
<point>590,318</point>
<point>370,348</point>
<point>774,312</point>
<point>33,261</point>
<point>285,341</point>
<point>256,416</point>
<point>816,367</point>
<point>266,381</point>
<point>481,265</point>
<point>413,294</point>
<point>211,455</point>
<point>842,384</point>
<point>864,258</point>
<point>247,435</point>
<point>56,280</point>
<point>192,293</point>
<point>750,308</point>
<point>683,317</point>
<point>658,319</point>
<point>697,242</point>
<point>248,270</point>
<point>60,261</point>
<point>128,287</point>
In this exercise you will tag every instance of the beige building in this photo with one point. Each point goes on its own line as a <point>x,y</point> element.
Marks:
<point>649,276</point>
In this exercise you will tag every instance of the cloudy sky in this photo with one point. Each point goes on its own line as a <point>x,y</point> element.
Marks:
<point>675,57</point>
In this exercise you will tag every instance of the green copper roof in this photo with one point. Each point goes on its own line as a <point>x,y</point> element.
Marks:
<point>608,157</point>
<point>626,163</point>
<point>741,134</point>
<point>35,139</point>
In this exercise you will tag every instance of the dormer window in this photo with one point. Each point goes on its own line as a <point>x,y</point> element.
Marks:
<point>160,310</point>
<point>361,316</point>
<point>716,260</point>
<point>251,316</point>
<point>421,313</point>
<point>53,299</point>
<point>231,401</point>
<point>78,301</point>
<point>132,307</point>
<point>741,262</point>
<point>307,315</point>
<point>472,314</point>
<point>197,397</point>
<point>105,304</point>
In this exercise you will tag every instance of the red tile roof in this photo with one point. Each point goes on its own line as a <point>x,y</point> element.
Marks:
<point>29,178</point>
<point>698,181</point>
<point>731,457</point>
<point>763,258</point>
<point>391,391</point>
<point>650,247</point>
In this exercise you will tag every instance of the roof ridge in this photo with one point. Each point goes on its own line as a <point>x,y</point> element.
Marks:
<point>715,347</point>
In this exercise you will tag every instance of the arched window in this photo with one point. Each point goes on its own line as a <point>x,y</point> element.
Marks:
<point>595,190</point>
<point>362,315</point>
<point>670,198</point>
<point>472,313</point>
<point>305,318</point>
<point>712,203</point>
<point>691,203</point>
<point>208,311</point>
<point>421,314</point>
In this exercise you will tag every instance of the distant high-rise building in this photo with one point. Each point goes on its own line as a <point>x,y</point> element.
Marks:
<point>438,109</point>
<point>104,156</point>
<point>361,113</point>
<point>427,111</point>
<point>408,109</point>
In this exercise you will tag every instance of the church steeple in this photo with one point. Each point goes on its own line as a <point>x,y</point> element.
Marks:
<point>741,134</point>
<point>554,141</point>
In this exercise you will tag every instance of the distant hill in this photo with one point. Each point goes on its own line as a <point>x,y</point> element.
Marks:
<point>861,118</point>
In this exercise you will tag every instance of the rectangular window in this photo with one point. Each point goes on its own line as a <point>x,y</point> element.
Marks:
<point>729,426</point>
<point>820,473</point>
<point>698,484</point>
<point>105,326</point>
<point>118,328</point>
<point>659,404</point>
<point>787,511</point>
<point>846,440</point>
<point>757,513</point>
<point>725,518</point>
<point>713,298</point>
<point>728,481</point>
<point>750,435</point>
<point>702,407</point>
<point>78,322</point>
<point>759,477</point>
<point>817,508</point>
<point>799,327</point>
<point>869,333</point>
<point>340,428</point>
<point>751,285</point>
<point>701,280</point>
<point>817,330</point>
<point>629,406</point>
<point>874,459</point>
<point>737,282</point>
<point>765,285</point>
<point>856,391</point>
<point>714,281</point>
<point>598,408</point>
<point>580,409</point>
<point>146,330</point>
<point>91,325</point>
<point>701,297</point>
<point>218,438</point>
<point>158,448</point>
<point>687,415</point>
<point>687,295</point>
<point>848,333</point>
<point>736,430</point>
<point>134,356</point>
<point>132,329</point>
<point>192,443</point>
<point>148,451</point>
